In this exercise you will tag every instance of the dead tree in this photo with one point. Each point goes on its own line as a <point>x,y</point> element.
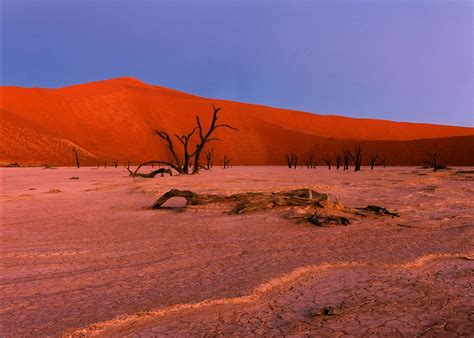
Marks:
<point>327,160</point>
<point>338,161</point>
<point>357,156</point>
<point>205,137</point>
<point>346,158</point>
<point>183,165</point>
<point>433,161</point>
<point>209,158</point>
<point>226,162</point>
<point>383,161</point>
<point>105,164</point>
<point>310,161</point>
<point>291,160</point>
<point>76,155</point>
<point>373,158</point>
<point>152,174</point>
<point>115,164</point>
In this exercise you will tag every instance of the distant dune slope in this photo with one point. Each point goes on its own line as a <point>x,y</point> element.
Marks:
<point>113,120</point>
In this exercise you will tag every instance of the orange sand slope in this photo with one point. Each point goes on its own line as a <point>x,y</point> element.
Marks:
<point>112,120</point>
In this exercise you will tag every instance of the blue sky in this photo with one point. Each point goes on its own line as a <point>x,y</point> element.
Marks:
<point>396,60</point>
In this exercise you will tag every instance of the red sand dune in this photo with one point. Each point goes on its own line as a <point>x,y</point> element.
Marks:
<point>113,120</point>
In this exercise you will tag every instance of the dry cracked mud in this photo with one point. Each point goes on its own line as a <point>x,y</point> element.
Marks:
<point>96,260</point>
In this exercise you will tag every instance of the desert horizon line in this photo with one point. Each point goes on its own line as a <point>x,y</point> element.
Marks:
<point>220,99</point>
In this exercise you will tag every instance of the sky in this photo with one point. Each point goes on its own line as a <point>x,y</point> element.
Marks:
<point>395,60</point>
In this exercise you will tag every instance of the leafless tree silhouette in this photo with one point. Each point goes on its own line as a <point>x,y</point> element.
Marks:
<point>327,160</point>
<point>209,158</point>
<point>291,160</point>
<point>346,158</point>
<point>76,155</point>
<point>357,156</point>
<point>373,158</point>
<point>433,161</point>
<point>310,161</point>
<point>226,162</point>
<point>190,162</point>
<point>338,161</point>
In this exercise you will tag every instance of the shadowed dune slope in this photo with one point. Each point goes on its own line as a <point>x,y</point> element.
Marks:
<point>113,120</point>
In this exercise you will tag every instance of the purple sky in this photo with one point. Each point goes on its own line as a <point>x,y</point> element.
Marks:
<point>397,60</point>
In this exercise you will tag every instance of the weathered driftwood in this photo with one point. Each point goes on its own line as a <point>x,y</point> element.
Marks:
<point>379,210</point>
<point>250,201</point>
<point>152,174</point>
<point>326,220</point>
<point>310,206</point>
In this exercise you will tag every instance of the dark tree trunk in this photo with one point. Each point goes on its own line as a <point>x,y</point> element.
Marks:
<point>191,159</point>
<point>226,162</point>
<point>357,156</point>
<point>346,158</point>
<point>373,158</point>
<point>328,162</point>
<point>205,137</point>
<point>291,160</point>
<point>209,158</point>
<point>310,161</point>
<point>433,161</point>
<point>78,164</point>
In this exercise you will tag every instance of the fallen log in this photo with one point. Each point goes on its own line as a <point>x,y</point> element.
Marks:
<point>307,205</point>
<point>379,210</point>
<point>152,174</point>
<point>251,201</point>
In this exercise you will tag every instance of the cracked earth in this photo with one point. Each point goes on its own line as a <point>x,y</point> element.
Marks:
<point>88,257</point>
